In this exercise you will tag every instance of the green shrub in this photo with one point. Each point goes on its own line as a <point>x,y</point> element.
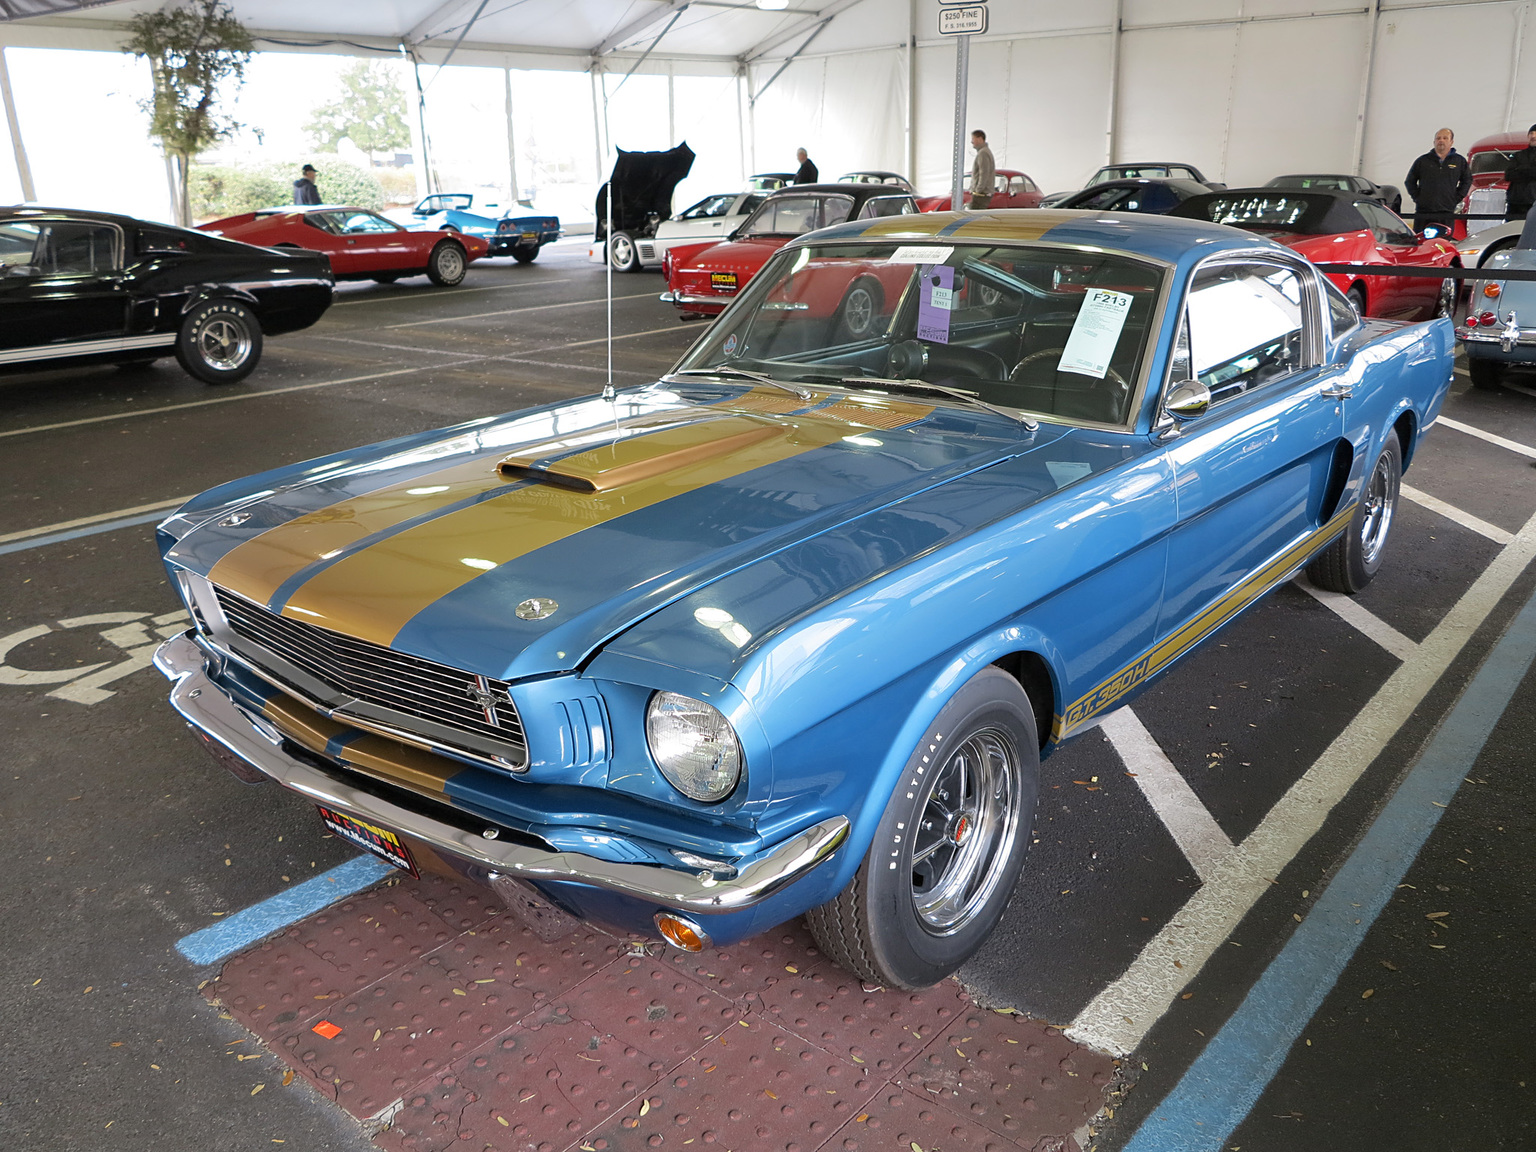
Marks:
<point>228,190</point>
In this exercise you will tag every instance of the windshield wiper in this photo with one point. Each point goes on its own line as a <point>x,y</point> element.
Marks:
<point>926,386</point>
<point>760,377</point>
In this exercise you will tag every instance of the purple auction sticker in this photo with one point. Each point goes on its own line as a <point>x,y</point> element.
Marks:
<point>935,303</point>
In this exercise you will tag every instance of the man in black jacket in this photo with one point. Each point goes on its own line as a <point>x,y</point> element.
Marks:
<point>1521,174</point>
<point>807,173</point>
<point>1438,182</point>
<point>304,189</point>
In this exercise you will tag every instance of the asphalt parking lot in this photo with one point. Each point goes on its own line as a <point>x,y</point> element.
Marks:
<point>1181,846</point>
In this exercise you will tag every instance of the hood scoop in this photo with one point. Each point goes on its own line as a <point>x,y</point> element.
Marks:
<point>625,462</point>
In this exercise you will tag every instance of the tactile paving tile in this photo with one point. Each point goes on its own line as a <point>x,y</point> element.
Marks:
<point>647,1004</point>
<point>460,904</point>
<point>536,1088</point>
<point>1011,1075</point>
<point>401,1032</point>
<point>743,970</point>
<point>744,1092</point>
<point>882,1029</point>
<point>897,1121</point>
<point>374,933</point>
<point>507,950</point>
<point>277,985</point>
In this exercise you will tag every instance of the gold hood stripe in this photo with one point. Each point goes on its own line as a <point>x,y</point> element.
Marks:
<point>373,593</point>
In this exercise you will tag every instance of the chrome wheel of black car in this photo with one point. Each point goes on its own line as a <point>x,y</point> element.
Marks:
<point>447,264</point>
<point>1350,562</point>
<point>219,342</point>
<point>968,821</point>
<point>949,848</point>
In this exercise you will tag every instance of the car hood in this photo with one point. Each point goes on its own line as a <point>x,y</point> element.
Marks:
<point>586,517</point>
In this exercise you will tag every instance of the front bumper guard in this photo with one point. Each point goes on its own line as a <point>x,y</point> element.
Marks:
<point>685,300</point>
<point>212,711</point>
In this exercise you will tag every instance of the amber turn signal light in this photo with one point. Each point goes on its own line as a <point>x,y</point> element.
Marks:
<point>1491,290</point>
<point>680,932</point>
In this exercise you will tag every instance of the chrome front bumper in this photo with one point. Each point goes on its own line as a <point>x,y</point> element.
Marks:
<point>685,300</point>
<point>212,711</point>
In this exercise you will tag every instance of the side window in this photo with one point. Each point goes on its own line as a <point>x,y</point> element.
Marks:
<point>748,204</point>
<point>365,222</point>
<point>1245,327</point>
<point>1341,312</point>
<point>163,240</point>
<point>71,249</point>
<point>1103,200</point>
<point>835,209</point>
<point>18,245</point>
<point>1386,226</point>
<point>883,206</point>
<point>325,221</point>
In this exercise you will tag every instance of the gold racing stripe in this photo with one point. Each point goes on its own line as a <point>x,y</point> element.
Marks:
<point>373,593</point>
<point>1171,647</point>
<point>376,756</point>
<point>978,227</point>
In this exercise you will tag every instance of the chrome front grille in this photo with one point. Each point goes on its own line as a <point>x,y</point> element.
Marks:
<point>404,688</point>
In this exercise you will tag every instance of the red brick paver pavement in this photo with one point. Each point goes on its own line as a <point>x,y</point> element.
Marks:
<point>461,1029</point>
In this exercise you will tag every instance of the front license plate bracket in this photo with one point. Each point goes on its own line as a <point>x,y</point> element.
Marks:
<point>381,842</point>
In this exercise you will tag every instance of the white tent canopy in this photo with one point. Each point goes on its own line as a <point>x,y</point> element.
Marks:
<point>1244,89</point>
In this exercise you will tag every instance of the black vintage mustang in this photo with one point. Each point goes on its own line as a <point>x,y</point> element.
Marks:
<point>94,287</point>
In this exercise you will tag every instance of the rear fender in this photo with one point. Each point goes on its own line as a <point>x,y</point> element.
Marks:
<point>203,293</point>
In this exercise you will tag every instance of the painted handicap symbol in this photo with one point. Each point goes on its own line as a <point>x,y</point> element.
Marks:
<point>138,634</point>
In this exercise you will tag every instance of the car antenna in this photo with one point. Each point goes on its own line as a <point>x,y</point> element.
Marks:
<point>608,392</point>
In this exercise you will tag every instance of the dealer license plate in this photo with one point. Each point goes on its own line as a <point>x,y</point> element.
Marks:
<point>532,237</point>
<point>370,838</point>
<point>723,281</point>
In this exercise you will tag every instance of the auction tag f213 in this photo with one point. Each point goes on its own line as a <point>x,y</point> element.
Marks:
<point>1095,333</point>
<point>935,303</point>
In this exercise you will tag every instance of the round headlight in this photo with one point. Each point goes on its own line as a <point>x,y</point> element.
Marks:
<point>693,745</point>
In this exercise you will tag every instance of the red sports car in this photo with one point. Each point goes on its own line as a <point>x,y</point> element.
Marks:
<point>1343,228</point>
<point>1012,189</point>
<point>703,278</point>
<point>362,245</point>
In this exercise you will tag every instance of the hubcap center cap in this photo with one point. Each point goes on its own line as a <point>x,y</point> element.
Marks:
<point>960,827</point>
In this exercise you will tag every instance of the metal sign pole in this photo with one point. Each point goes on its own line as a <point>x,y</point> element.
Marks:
<point>962,84</point>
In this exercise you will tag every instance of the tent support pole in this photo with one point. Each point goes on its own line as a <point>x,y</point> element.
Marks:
<point>1365,85</point>
<point>1112,143</point>
<point>23,168</point>
<point>962,88</point>
<point>912,92</point>
<point>516,193</point>
<point>1514,66</point>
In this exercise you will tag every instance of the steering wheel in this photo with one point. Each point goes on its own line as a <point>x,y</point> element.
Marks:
<point>1110,375</point>
<point>911,358</point>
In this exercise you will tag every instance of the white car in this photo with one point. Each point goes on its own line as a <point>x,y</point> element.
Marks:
<point>1478,247</point>
<point>712,218</point>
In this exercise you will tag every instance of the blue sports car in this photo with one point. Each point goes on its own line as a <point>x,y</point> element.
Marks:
<point>515,233</point>
<point>789,630</point>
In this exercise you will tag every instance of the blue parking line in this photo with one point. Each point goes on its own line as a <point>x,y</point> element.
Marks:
<point>228,936</point>
<point>90,530</point>
<point>1221,1087</point>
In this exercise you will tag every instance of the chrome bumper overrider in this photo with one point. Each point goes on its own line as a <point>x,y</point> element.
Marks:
<point>684,298</point>
<point>208,708</point>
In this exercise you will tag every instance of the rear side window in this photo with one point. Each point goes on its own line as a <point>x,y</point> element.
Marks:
<point>1245,327</point>
<point>885,206</point>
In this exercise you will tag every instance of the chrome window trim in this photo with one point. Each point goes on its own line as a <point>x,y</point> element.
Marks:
<point>117,231</point>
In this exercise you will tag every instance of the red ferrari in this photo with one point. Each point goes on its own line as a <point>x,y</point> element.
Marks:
<point>1012,189</point>
<point>362,245</point>
<point>1343,228</point>
<point>703,278</point>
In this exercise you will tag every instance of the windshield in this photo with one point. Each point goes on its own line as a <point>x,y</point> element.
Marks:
<point>1335,183</point>
<point>797,215</point>
<point>1491,161</point>
<point>1051,332</point>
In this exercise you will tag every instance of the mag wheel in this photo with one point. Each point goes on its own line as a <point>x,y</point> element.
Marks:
<point>949,847</point>
<point>1445,303</point>
<point>447,264</point>
<point>219,342</point>
<point>860,309</point>
<point>1350,562</point>
<point>622,252</point>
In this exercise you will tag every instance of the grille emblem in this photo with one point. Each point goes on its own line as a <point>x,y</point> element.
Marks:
<point>482,695</point>
<point>536,608</point>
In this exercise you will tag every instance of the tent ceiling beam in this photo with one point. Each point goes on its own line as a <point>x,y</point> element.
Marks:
<point>627,33</point>
<point>434,20</point>
<point>813,23</point>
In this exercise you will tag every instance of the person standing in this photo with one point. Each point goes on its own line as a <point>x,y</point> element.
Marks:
<point>983,172</point>
<point>1521,174</point>
<point>304,189</point>
<point>1438,182</point>
<point>807,173</point>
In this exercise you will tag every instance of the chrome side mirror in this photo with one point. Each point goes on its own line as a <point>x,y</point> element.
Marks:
<point>1188,400</point>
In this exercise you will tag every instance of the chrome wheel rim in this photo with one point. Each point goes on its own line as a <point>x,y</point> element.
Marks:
<point>623,251</point>
<point>1446,305</point>
<point>450,265</point>
<point>859,311</point>
<point>223,343</point>
<point>1380,503</point>
<point>968,825</point>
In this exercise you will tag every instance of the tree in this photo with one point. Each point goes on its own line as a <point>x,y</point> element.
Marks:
<point>371,112</point>
<point>191,52</point>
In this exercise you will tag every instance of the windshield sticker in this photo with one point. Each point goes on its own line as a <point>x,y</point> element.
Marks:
<point>935,303</point>
<point>1095,333</point>
<point>919,254</point>
<point>730,344</point>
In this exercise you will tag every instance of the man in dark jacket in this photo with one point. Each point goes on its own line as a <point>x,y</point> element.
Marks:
<point>807,173</point>
<point>1521,174</point>
<point>1438,182</point>
<point>304,190</point>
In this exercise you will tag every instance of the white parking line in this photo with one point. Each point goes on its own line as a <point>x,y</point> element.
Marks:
<point>600,339</point>
<point>517,311</point>
<point>1512,445</point>
<point>1451,512</point>
<point>1188,821</point>
<point>1348,609</point>
<point>451,293</point>
<point>65,525</point>
<point>1119,1017</point>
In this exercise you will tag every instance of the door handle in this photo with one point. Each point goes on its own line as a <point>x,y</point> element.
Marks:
<point>1336,388</point>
